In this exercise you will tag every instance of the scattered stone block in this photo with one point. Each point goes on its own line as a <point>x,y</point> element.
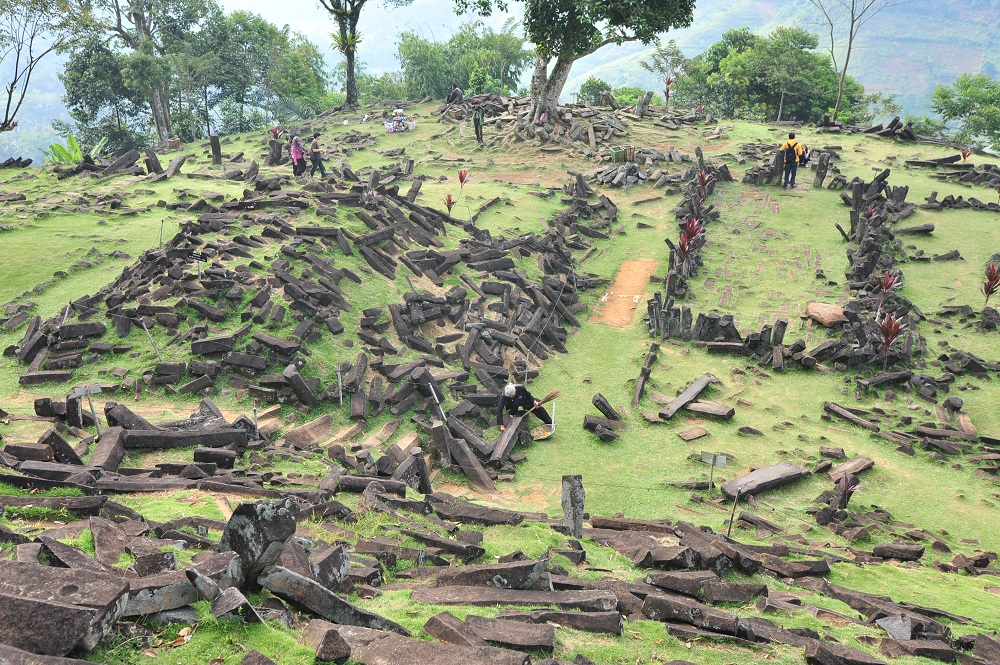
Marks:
<point>257,533</point>
<point>761,480</point>
<point>321,601</point>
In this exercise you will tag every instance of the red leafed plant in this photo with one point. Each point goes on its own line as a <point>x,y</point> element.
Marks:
<point>685,246</point>
<point>965,154</point>
<point>691,238</point>
<point>891,328</point>
<point>704,180</point>
<point>275,132</point>
<point>692,228</point>
<point>463,177</point>
<point>992,282</point>
<point>450,202</point>
<point>870,212</point>
<point>887,282</point>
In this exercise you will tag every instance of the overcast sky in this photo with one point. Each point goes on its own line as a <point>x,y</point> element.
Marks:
<point>379,26</point>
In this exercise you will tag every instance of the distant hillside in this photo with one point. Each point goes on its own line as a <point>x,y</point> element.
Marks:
<point>905,50</point>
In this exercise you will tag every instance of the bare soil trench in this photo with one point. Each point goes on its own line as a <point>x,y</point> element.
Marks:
<point>622,299</point>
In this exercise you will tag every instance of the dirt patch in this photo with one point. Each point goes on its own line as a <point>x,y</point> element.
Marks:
<point>623,297</point>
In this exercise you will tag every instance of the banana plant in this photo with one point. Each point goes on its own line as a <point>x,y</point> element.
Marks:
<point>71,153</point>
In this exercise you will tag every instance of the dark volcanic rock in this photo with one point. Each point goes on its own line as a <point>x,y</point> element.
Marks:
<point>396,650</point>
<point>321,601</point>
<point>257,533</point>
<point>776,475</point>
<point>104,594</point>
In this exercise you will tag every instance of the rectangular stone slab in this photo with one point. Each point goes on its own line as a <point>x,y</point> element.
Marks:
<point>13,656</point>
<point>110,449</point>
<point>321,601</point>
<point>761,480</point>
<point>81,506</point>
<point>586,601</point>
<point>103,593</point>
<point>396,650</point>
<point>513,575</point>
<point>589,622</point>
<point>513,634</point>
<point>663,607</point>
<point>41,626</point>
<point>157,593</point>
<point>204,439</point>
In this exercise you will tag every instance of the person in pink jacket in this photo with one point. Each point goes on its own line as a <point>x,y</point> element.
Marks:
<point>298,157</point>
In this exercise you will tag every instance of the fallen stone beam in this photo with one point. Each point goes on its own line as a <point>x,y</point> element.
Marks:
<point>761,480</point>
<point>839,411</point>
<point>204,439</point>
<point>513,575</point>
<point>688,396</point>
<point>589,622</point>
<point>395,650</point>
<point>513,634</point>
<point>321,601</point>
<point>585,601</point>
<point>663,607</point>
<point>710,408</point>
<point>103,594</point>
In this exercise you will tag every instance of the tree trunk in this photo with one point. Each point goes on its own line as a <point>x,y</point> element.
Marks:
<point>547,86</point>
<point>781,105</point>
<point>208,121</point>
<point>159,105</point>
<point>843,73</point>
<point>351,87</point>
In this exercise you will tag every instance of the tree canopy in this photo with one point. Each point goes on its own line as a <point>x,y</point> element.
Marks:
<point>233,73</point>
<point>476,58</point>
<point>779,76</point>
<point>973,103</point>
<point>566,30</point>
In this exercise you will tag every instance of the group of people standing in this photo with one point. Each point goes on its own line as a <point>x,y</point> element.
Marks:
<point>298,152</point>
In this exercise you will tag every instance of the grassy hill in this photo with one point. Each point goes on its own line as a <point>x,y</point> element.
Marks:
<point>69,238</point>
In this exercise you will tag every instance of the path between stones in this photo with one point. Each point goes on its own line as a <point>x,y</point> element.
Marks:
<point>622,299</point>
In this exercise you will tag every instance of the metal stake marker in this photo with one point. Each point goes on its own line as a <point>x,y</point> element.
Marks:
<point>90,400</point>
<point>161,233</point>
<point>340,389</point>
<point>438,402</point>
<point>733,515</point>
<point>256,429</point>
<point>150,337</point>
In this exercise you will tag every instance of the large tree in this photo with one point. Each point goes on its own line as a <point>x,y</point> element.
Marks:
<point>99,99</point>
<point>844,20</point>
<point>150,30</point>
<point>565,30</point>
<point>764,78</point>
<point>973,101</point>
<point>28,32</point>
<point>347,13</point>
<point>428,67</point>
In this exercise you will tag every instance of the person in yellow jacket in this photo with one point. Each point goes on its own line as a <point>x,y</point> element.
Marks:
<point>791,152</point>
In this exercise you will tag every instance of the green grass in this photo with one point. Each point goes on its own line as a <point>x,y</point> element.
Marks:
<point>764,252</point>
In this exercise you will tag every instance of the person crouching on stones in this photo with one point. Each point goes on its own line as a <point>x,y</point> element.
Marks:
<point>517,401</point>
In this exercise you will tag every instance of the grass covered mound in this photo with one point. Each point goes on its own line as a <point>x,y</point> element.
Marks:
<point>767,255</point>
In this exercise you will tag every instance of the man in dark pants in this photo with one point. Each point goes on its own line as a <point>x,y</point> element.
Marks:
<point>478,115</point>
<point>517,401</point>
<point>791,152</point>
<point>455,95</point>
<point>316,155</point>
